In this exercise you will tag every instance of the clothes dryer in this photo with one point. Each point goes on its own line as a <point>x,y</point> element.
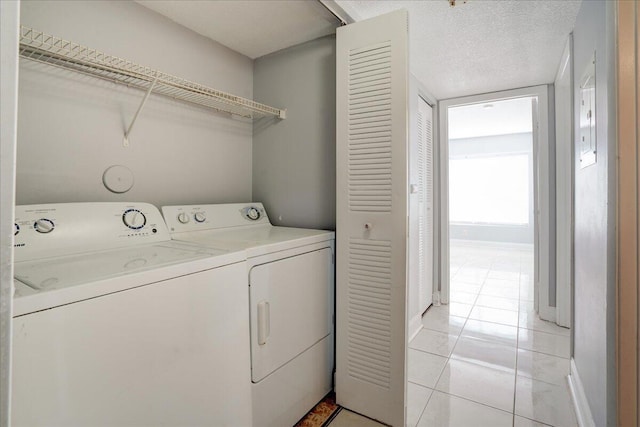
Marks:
<point>290,279</point>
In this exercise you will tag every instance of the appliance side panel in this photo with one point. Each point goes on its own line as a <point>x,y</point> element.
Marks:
<point>182,360</point>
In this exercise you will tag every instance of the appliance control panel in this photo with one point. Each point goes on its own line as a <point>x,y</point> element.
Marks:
<point>50,230</point>
<point>212,217</point>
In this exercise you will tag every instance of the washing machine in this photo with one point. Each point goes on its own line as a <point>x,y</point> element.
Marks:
<point>115,324</point>
<point>290,279</point>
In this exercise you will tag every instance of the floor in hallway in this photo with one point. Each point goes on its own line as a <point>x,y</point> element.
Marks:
<point>486,359</point>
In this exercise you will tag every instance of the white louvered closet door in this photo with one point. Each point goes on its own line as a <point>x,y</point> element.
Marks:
<point>372,206</point>
<point>425,197</point>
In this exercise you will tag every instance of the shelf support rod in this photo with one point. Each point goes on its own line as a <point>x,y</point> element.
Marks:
<point>135,117</point>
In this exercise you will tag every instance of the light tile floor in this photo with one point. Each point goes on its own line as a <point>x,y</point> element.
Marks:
<point>495,361</point>
<point>486,359</point>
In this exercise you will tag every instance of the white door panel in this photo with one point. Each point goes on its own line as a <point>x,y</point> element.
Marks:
<point>425,207</point>
<point>282,327</point>
<point>372,208</point>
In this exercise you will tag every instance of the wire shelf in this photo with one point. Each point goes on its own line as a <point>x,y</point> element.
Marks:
<point>45,48</point>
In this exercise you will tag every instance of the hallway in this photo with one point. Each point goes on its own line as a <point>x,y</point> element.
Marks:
<point>486,358</point>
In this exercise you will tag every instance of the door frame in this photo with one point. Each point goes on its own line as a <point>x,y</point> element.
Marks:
<point>417,92</point>
<point>545,225</point>
<point>628,215</point>
<point>565,171</point>
<point>9,30</point>
<point>435,106</point>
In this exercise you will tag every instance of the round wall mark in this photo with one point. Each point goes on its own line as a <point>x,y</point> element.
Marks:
<point>118,179</point>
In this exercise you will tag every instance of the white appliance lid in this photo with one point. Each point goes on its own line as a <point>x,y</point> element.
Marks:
<point>256,240</point>
<point>62,272</point>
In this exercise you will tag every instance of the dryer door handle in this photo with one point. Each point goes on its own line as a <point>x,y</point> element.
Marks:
<point>263,322</point>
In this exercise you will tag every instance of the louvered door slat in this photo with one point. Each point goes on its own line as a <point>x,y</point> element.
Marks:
<point>367,197</point>
<point>425,221</point>
<point>371,166</point>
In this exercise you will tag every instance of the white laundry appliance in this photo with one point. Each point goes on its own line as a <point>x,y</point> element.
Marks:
<point>290,275</point>
<point>115,324</point>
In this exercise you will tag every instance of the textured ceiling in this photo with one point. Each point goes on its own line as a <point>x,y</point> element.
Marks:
<point>475,47</point>
<point>253,28</point>
<point>482,45</point>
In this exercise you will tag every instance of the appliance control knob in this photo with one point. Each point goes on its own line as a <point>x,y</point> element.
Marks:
<point>43,225</point>
<point>200,216</point>
<point>253,214</point>
<point>16,229</point>
<point>134,219</point>
<point>183,218</point>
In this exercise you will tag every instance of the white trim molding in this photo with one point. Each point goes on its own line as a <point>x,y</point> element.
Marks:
<point>344,16</point>
<point>564,167</point>
<point>579,398</point>
<point>9,30</point>
<point>544,190</point>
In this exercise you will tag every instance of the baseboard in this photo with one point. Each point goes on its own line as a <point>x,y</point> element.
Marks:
<point>579,399</point>
<point>415,324</point>
<point>547,313</point>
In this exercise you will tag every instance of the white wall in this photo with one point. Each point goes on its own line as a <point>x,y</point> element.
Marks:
<point>595,200</point>
<point>71,127</point>
<point>294,160</point>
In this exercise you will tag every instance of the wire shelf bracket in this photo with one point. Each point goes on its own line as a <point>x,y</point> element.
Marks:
<point>41,47</point>
<point>135,116</point>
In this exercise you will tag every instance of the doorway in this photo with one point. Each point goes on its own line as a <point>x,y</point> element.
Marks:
<point>503,203</point>
<point>495,273</point>
<point>491,216</point>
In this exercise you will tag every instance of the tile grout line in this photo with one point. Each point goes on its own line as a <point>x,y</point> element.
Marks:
<point>546,354</point>
<point>453,350</point>
<point>474,304</point>
<point>433,390</point>
<point>543,332</point>
<point>516,348</point>
<point>474,401</point>
<point>449,357</point>
<point>515,378</point>
<point>445,365</point>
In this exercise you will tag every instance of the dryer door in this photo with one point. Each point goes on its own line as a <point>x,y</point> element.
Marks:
<point>291,308</point>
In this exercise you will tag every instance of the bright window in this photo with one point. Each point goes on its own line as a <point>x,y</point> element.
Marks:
<point>489,190</point>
